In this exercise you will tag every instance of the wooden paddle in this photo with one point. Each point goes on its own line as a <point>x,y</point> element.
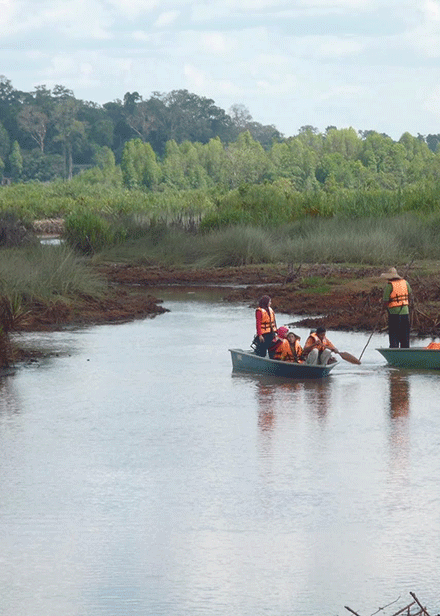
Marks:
<point>348,357</point>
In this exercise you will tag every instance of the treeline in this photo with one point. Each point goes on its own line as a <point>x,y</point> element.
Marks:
<point>182,141</point>
<point>47,134</point>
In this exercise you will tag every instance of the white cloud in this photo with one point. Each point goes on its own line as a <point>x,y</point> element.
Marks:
<point>432,103</point>
<point>141,35</point>
<point>76,18</point>
<point>132,9</point>
<point>344,92</point>
<point>326,47</point>
<point>166,19</point>
<point>214,42</point>
<point>424,36</point>
<point>8,10</point>
<point>199,81</point>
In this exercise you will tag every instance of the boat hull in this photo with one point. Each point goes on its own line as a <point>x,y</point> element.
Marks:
<point>248,361</point>
<point>415,357</point>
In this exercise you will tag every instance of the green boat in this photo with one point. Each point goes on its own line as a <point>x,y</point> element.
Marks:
<point>249,361</point>
<point>415,357</point>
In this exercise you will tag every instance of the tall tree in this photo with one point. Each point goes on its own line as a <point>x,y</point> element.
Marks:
<point>33,121</point>
<point>69,128</point>
<point>16,161</point>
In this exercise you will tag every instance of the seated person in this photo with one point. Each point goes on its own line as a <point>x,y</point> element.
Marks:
<point>434,346</point>
<point>318,348</point>
<point>295,347</point>
<point>280,348</point>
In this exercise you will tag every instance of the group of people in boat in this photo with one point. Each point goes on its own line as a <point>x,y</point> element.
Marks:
<point>282,344</point>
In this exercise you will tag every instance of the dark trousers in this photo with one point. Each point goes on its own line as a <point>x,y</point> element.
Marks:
<point>262,347</point>
<point>398,331</point>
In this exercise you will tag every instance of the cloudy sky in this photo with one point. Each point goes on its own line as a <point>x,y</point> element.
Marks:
<point>369,64</point>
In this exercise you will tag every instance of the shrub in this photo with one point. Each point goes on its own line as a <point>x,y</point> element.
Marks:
<point>89,232</point>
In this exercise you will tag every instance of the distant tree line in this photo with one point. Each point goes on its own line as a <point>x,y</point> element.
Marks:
<point>46,133</point>
<point>183,141</point>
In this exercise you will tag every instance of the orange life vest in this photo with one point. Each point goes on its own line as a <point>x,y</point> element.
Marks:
<point>434,346</point>
<point>268,323</point>
<point>399,294</point>
<point>322,343</point>
<point>297,351</point>
<point>283,350</point>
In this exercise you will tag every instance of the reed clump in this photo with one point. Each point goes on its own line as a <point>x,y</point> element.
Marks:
<point>371,241</point>
<point>47,275</point>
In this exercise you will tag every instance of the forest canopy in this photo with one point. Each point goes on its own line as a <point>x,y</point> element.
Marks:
<point>182,141</point>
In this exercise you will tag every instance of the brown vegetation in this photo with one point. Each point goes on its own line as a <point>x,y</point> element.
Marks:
<point>345,298</point>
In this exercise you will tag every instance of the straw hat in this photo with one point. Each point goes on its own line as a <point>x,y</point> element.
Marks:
<point>391,274</point>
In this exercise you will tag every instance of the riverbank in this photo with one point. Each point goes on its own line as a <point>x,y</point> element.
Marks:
<point>342,297</point>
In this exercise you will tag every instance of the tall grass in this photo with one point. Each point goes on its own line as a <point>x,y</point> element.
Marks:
<point>47,274</point>
<point>364,241</point>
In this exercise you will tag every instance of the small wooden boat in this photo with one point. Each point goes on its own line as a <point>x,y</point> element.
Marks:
<point>249,361</point>
<point>415,357</point>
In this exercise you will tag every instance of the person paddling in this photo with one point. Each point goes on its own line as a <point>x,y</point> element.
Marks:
<point>266,325</point>
<point>318,348</point>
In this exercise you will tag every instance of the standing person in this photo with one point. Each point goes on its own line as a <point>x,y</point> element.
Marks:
<point>396,299</point>
<point>266,325</point>
<point>318,348</point>
<point>280,347</point>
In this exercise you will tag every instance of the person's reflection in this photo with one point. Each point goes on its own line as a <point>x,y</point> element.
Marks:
<point>318,397</point>
<point>399,410</point>
<point>265,397</point>
<point>399,394</point>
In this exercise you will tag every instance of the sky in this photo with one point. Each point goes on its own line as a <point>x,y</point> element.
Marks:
<point>368,64</point>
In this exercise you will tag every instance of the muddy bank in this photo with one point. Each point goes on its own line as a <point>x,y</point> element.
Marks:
<point>117,306</point>
<point>344,298</point>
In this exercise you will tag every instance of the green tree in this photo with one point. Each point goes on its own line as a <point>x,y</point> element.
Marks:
<point>69,129</point>
<point>173,166</point>
<point>248,162</point>
<point>15,161</point>
<point>34,121</point>
<point>139,165</point>
<point>344,141</point>
<point>4,142</point>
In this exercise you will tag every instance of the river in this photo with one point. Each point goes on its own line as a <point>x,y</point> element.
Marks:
<point>141,476</point>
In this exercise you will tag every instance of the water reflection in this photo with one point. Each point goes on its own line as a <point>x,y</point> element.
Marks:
<point>318,398</point>
<point>399,413</point>
<point>266,401</point>
<point>9,404</point>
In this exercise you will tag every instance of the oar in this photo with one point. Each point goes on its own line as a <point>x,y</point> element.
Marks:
<point>349,357</point>
<point>371,335</point>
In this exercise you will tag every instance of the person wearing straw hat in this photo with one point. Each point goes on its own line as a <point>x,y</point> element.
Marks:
<point>396,297</point>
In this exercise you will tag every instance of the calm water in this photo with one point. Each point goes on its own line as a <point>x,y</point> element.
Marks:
<point>140,476</point>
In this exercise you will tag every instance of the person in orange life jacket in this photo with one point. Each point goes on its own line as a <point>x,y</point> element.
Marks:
<point>318,348</point>
<point>280,348</point>
<point>396,299</point>
<point>266,326</point>
<point>295,347</point>
<point>433,346</point>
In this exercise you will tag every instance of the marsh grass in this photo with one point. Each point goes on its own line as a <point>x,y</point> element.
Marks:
<point>309,240</point>
<point>171,246</point>
<point>46,273</point>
